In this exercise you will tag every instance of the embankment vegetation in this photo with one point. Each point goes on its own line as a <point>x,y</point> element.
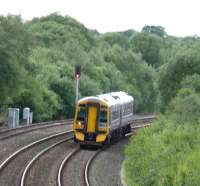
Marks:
<point>168,152</point>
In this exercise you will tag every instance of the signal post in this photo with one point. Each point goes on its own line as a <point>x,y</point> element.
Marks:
<point>77,78</point>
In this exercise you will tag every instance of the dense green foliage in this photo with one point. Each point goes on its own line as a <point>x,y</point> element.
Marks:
<point>149,45</point>
<point>13,54</point>
<point>37,60</point>
<point>168,152</point>
<point>185,63</point>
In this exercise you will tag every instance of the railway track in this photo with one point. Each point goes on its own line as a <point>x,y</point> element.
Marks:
<point>30,161</point>
<point>146,119</point>
<point>92,158</point>
<point>20,158</point>
<point>87,167</point>
<point>35,158</point>
<point>70,172</point>
<point>6,129</point>
<point>8,133</point>
<point>63,164</point>
<point>63,173</point>
<point>2,128</point>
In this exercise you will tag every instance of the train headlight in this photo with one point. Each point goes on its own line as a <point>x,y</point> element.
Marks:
<point>102,127</point>
<point>79,125</point>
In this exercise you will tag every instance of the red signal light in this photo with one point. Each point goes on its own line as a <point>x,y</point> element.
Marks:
<point>77,76</point>
<point>77,71</point>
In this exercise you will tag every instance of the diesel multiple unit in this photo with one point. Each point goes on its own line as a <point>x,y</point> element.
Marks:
<point>99,119</point>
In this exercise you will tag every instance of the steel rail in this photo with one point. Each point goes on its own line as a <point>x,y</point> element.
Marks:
<point>30,129</point>
<point>88,164</point>
<point>5,129</point>
<point>2,128</point>
<point>15,154</point>
<point>65,160</point>
<point>60,122</point>
<point>30,164</point>
<point>86,171</point>
<point>144,118</point>
<point>12,156</point>
<point>55,123</point>
<point>137,127</point>
<point>29,145</point>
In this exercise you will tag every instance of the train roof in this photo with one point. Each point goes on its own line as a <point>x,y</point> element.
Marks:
<point>112,98</point>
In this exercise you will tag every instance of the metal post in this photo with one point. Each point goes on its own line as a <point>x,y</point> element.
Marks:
<point>77,88</point>
<point>77,77</point>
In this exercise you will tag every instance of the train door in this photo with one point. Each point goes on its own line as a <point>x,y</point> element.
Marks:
<point>92,120</point>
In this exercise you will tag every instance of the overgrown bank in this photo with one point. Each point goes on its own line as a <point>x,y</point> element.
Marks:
<point>168,153</point>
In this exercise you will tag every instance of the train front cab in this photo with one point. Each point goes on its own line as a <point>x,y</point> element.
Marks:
<point>91,123</point>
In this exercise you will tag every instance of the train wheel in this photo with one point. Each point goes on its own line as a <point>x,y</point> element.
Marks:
<point>121,132</point>
<point>128,129</point>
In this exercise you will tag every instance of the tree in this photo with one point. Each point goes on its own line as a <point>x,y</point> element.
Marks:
<point>185,63</point>
<point>192,82</point>
<point>157,30</point>
<point>185,107</point>
<point>117,38</point>
<point>149,46</point>
<point>14,48</point>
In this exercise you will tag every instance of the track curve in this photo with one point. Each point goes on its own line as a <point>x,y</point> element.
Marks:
<point>22,183</point>
<point>22,156</point>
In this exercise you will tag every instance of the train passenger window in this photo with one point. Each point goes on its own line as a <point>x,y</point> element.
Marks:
<point>115,114</point>
<point>103,116</point>
<point>128,109</point>
<point>81,114</point>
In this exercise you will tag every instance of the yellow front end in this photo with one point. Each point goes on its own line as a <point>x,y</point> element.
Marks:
<point>91,123</point>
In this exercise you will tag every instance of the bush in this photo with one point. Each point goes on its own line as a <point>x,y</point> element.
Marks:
<point>185,107</point>
<point>168,152</point>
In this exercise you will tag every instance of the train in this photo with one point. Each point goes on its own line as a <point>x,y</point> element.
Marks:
<point>100,119</point>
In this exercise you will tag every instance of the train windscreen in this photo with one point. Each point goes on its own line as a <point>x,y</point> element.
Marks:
<point>103,118</point>
<point>81,114</point>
